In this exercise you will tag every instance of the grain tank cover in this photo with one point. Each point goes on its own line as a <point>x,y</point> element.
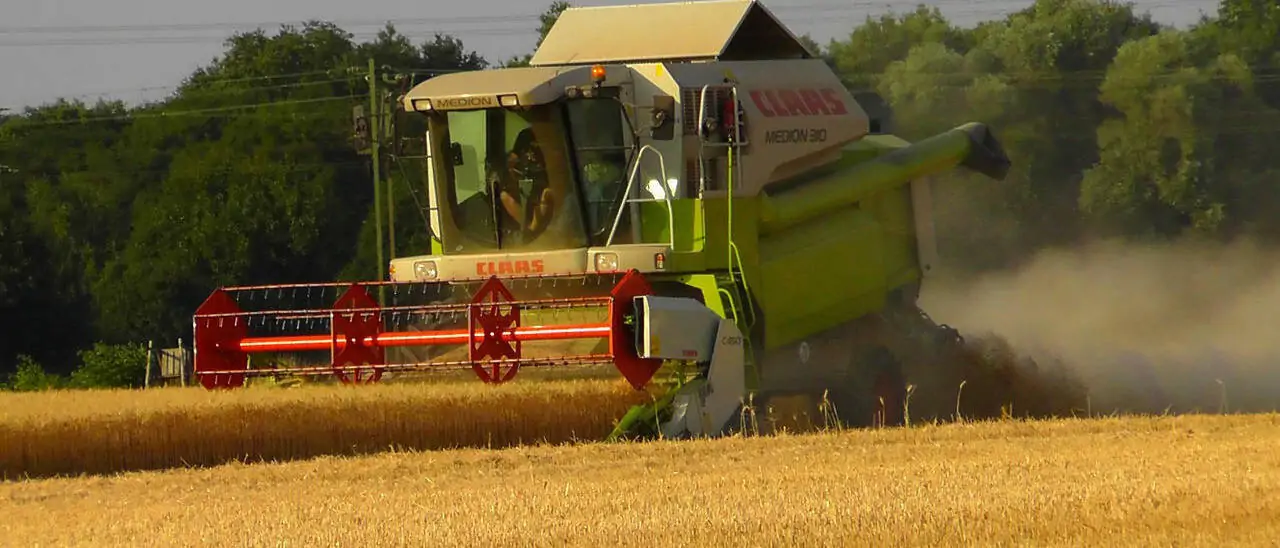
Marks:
<point>708,30</point>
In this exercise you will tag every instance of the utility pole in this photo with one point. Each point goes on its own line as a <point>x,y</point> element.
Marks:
<point>396,80</point>
<point>391,195</point>
<point>375,141</point>
<point>370,131</point>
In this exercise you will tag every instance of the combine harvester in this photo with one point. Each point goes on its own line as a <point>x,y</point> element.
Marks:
<point>680,190</point>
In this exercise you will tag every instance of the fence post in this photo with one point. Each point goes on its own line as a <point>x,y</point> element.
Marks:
<point>182,363</point>
<point>146,381</point>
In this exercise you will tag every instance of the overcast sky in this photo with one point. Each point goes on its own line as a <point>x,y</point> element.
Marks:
<point>139,49</point>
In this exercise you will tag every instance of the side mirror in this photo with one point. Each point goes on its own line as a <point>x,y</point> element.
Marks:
<point>455,149</point>
<point>663,125</point>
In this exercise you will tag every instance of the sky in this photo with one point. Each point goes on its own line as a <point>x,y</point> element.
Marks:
<point>139,50</point>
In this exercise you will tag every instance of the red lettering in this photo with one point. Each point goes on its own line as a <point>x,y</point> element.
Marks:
<point>759,100</point>
<point>835,102</point>
<point>792,100</point>
<point>777,105</point>
<point>814,102</point>
<point>799,102</point>
<point>491,268</point>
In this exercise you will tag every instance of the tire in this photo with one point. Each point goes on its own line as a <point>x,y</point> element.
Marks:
<point>875,391</point>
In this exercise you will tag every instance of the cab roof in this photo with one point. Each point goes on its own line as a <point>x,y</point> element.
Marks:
<point>531,85</point>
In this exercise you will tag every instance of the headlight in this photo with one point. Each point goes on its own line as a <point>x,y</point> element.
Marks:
<point>655,189</point>
<point>425,270</point>
<point>607,262</point>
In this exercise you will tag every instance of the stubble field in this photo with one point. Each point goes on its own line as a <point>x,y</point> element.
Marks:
<point>1189,480</point>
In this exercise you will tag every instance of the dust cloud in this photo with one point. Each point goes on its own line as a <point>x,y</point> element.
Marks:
<point>1183,327</point>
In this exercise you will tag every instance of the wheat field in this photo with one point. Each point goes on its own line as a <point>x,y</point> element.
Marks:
<point>96,432</point>
<point>1186,481</point>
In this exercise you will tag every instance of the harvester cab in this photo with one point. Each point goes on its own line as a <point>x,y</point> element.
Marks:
<point>669,188</point>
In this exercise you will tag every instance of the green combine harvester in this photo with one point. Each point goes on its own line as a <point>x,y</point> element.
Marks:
<point>705,207</point>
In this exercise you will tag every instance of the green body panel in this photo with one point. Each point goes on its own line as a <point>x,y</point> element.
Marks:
<point>702,226</point>
<point>819,274</point>
<point>710,287</point>
<point>687,215</point>
<point>828,248</point>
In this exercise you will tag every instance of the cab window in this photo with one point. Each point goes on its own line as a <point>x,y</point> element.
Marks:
<point>602,148</point>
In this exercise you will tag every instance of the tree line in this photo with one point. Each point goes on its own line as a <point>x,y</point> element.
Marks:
<point>116,221</point>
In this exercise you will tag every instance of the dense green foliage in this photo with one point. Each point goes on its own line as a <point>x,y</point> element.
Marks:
<point>116,222</point>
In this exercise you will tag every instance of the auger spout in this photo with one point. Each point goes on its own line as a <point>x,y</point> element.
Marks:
<point>971,145</point>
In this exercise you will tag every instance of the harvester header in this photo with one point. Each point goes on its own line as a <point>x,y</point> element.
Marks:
<point>353,333</point>
<point>706,208</point>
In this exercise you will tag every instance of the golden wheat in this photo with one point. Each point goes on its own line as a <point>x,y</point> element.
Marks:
<point>92,432</point>
<point>1191,480</point>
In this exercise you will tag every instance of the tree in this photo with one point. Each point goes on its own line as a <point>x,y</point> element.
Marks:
<point>30,376</point>
<point>1176,158</point>
<point>64,205</point>
<point>545,22</point>
<point>878,42</point>
<point>115,222</point>
<point>448,53</point>
<point>111,366</point>
<point>1054,54</point>
<point>1251,30</point>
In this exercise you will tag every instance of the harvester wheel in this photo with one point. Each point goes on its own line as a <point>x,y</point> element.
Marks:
<point>887,400</point>
<point>875,393</point>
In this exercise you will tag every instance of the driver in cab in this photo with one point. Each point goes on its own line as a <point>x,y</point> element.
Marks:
<point>526,168</point>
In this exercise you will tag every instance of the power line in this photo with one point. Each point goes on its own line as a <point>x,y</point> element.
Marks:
<point>1078,76</point>
<point>1025,80</point>
<point>1019,79</point>
<point>968,8</point>
<point>199,88</point>
<point>203,91</point>
<point>524,18</point>
<point>208,112</point>
<point>444,25</point>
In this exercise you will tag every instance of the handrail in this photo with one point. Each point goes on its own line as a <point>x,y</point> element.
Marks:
<point>631,181</point>
<point>733,253</point>
<point>702,141</point>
